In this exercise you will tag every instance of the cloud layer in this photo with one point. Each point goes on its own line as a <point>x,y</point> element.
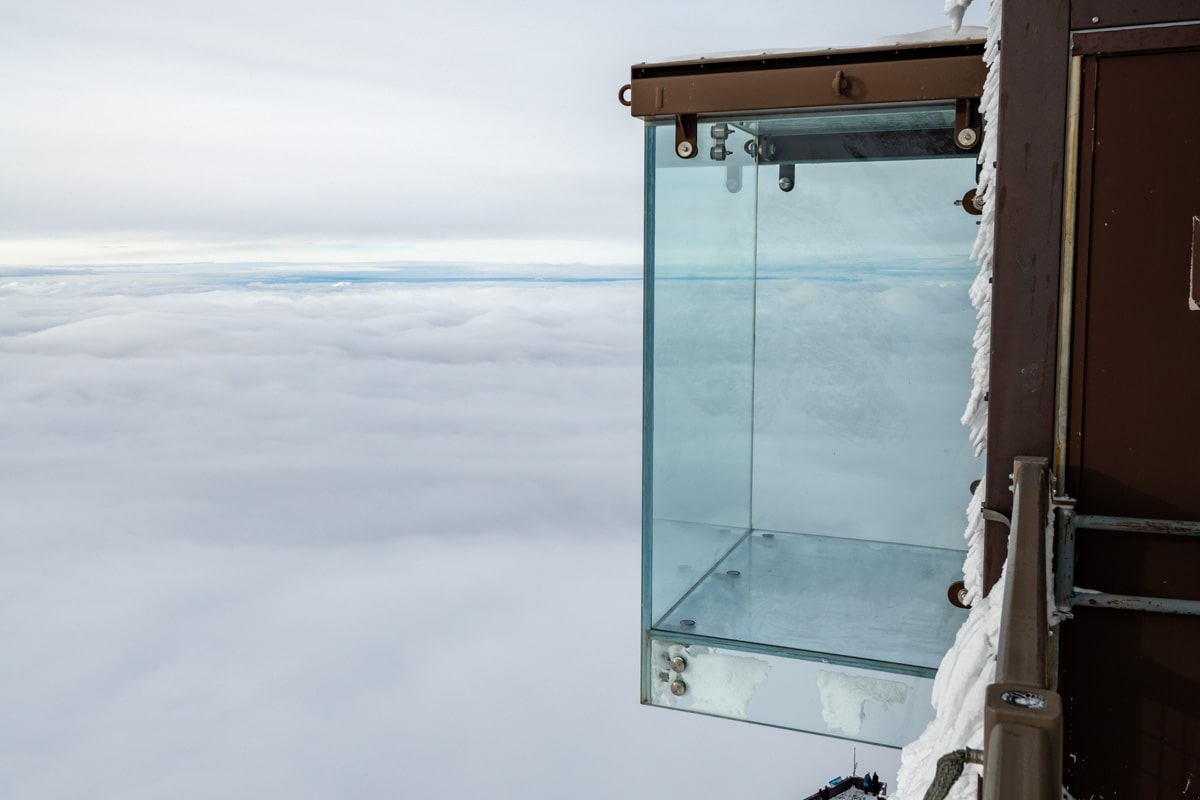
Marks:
<point>315,539</point>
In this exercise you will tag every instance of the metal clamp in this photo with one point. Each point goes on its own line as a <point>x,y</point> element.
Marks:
<point>967,128</point>
<point>685,135</point>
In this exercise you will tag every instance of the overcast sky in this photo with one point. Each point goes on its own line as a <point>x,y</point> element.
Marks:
<point>139,130</point>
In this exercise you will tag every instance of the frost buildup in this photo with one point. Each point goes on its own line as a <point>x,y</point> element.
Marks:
<point>970,665</point>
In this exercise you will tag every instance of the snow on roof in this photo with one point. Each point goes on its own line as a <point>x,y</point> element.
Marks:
<point>944,34</point>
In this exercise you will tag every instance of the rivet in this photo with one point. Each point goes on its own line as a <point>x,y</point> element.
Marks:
<point>687,623</point>
<point>685,149</point>
<point>678,688</point>
<point>679,663</point>
<point>733,573</point>
<point>1095,20</point>
<point>967,137</point>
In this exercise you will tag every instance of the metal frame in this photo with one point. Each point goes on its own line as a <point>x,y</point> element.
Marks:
<point>1068,596</point>
<point>778,82</point>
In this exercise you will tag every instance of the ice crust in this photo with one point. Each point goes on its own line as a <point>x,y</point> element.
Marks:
<point>970,664</point>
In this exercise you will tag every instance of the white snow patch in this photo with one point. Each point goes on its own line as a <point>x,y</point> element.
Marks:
<point>717,683</point>
<point>946,33</point>
<point>844,698</point>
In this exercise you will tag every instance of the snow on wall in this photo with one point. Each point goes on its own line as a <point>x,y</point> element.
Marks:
<point>958,696</point>
<point>844,698</point>
<point>718,683</point>
<point>970,664</point>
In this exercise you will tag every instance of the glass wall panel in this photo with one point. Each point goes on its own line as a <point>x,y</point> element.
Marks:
<point>809,339</point>
<point>700,271</point>
<point>824,697</point>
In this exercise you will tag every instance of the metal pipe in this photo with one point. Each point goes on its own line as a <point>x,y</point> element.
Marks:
<point>1062,400</point>
<point>1064,548</point>
<point>1127,602</point>
<point>1096,522</point>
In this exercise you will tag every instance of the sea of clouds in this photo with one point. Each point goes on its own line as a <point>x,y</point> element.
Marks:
<point>269,534</point>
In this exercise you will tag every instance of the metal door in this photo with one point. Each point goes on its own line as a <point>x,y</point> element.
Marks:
<point>1130,680</point>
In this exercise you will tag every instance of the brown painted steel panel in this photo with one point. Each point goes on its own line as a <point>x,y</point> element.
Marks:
<point>1113,13</point>
<point>659,92</point>
<point>1127,40</point>
<point>1130,705</point>
<point>1131,681</point>
<point>1140,383</point>
<point>1033,100</point>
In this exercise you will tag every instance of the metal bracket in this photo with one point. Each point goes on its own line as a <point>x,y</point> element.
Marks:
<point>996,516</point>
<point>1067,595</point>
<point>685,135</point>
<point>967,128</point>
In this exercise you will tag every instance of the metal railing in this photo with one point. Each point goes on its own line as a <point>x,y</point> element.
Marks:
<point>1067,595</point>
<point>1022,715</point>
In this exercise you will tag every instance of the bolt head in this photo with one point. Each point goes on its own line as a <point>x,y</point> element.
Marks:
<point>1095,20</point>
<point>786,184</point>
<point>679,663</point>
<point>685,149</point>
<point>678,688</point>
<point>967,137</point>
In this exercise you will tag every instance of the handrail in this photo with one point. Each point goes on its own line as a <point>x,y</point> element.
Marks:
<point>1022,655</point>
<point>1022,716</point>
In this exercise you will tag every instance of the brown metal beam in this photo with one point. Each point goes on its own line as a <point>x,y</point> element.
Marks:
<point>778,83</point>
<point>1137,40</point>
<point>1092,14</point>
<point>1028,194</point>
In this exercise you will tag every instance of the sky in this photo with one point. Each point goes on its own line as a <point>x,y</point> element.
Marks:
<point>321,529</point>
<point>236,130</point>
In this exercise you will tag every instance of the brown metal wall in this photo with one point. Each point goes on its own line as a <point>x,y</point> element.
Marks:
<point>1130,682</point>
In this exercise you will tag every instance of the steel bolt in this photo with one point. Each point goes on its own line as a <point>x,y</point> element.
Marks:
<point>679,663</point>
<point>685,149</point>
<point>786,183</point>
<point>1095,20</point>
<point>678,688</point>
<point>967,137</point>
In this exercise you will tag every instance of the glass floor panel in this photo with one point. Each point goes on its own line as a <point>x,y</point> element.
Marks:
<point>859,599</point>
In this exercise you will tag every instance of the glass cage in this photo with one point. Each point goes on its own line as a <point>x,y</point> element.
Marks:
<point>807,358</point>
